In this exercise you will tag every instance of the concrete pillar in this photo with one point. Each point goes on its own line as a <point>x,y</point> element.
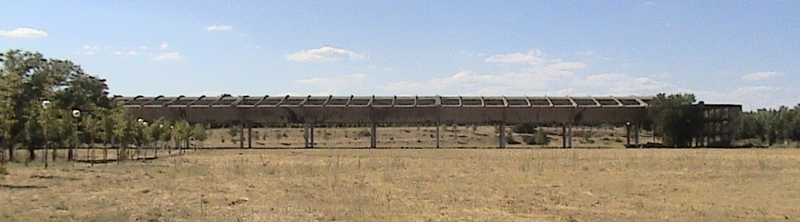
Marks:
<point>374,136</point>
<point>241,135</point>
<point>636,134</point>
<point>306,136</point>
<point>249,135</point>
<point>563,135</point>
<point>628,134</point>
<point>502,130</point>
<point>311,135</point>
<point>437,134</point>
<point>569,135</point>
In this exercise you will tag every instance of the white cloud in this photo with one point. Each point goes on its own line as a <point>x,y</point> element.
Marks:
<point>538,76</point>
<point>23,32</point>
<point>333,85</point>
<point>88,50</point>
<point>761,76</point>
<point>532,57</point>
<point>219,28</point>
<point>167,56</point>
<point>132,53</point>
<point>623,85</point>
<point>164,45</point>
<point>116,53</point>
<point>324,54</point>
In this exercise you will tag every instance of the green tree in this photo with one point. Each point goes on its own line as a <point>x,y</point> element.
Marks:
<point>28,78</point>
<point>106,130</point>
<point>199,133</point>
<point>154,131</point>
<point>182,132</point>
<point>125,129</point>
<point>676,118</point>
<point>91,132</point>
<point>166,133</point>
<point>8,88</point>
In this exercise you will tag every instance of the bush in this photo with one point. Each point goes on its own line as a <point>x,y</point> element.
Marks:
<point>538,138</point>
<point>364,133</point>
<point>510,140</point>
<point>524,128</point>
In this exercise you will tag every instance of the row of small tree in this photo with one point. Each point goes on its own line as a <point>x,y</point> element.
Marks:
<point>51,103</point>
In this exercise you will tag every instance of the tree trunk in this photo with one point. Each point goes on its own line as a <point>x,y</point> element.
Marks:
<point>155,149</point>
<point>3,149</point>
<point>31,154</point>
<point>105,152</point>
<point>10,147</point>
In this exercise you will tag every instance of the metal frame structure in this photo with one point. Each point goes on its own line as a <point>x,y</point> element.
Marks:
<point>373,110</point>
<point>390,109</point>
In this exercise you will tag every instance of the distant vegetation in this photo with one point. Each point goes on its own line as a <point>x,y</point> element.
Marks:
<point>53,103</point>
<point>769,126</point>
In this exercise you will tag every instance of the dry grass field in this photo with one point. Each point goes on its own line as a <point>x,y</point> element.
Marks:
<point>415,185</point>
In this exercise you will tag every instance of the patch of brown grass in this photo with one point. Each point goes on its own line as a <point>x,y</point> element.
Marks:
<point>415,185</point>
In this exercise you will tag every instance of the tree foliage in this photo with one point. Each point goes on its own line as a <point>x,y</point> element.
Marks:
<point>199,132</point>
<point>27,79</point>
<point>676,118</point>
<point>770,126</point>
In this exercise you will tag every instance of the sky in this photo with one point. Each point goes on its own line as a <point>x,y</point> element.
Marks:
<point>744,52</point>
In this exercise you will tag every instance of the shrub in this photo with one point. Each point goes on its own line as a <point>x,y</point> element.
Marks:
<point>538,138</point>
<point>364,133</point>
<point>510,140</point>
<point>524,128</point>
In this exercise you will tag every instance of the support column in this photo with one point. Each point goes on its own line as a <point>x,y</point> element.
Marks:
<point>306,136</point>
<point>241,135</point>
<point>249,135</point>
<point>502,131</point>
<point>569,135</point>
<point>563,135</point>
<point>636,135</point>
<point>311,135</point>
<point>627,134</point>
<point>437,134</point>
<point>373,143</point>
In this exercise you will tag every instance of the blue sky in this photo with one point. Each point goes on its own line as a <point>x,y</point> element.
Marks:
<point>743,52</point>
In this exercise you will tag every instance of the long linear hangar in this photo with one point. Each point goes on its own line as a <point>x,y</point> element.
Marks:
<point>374,110</point>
